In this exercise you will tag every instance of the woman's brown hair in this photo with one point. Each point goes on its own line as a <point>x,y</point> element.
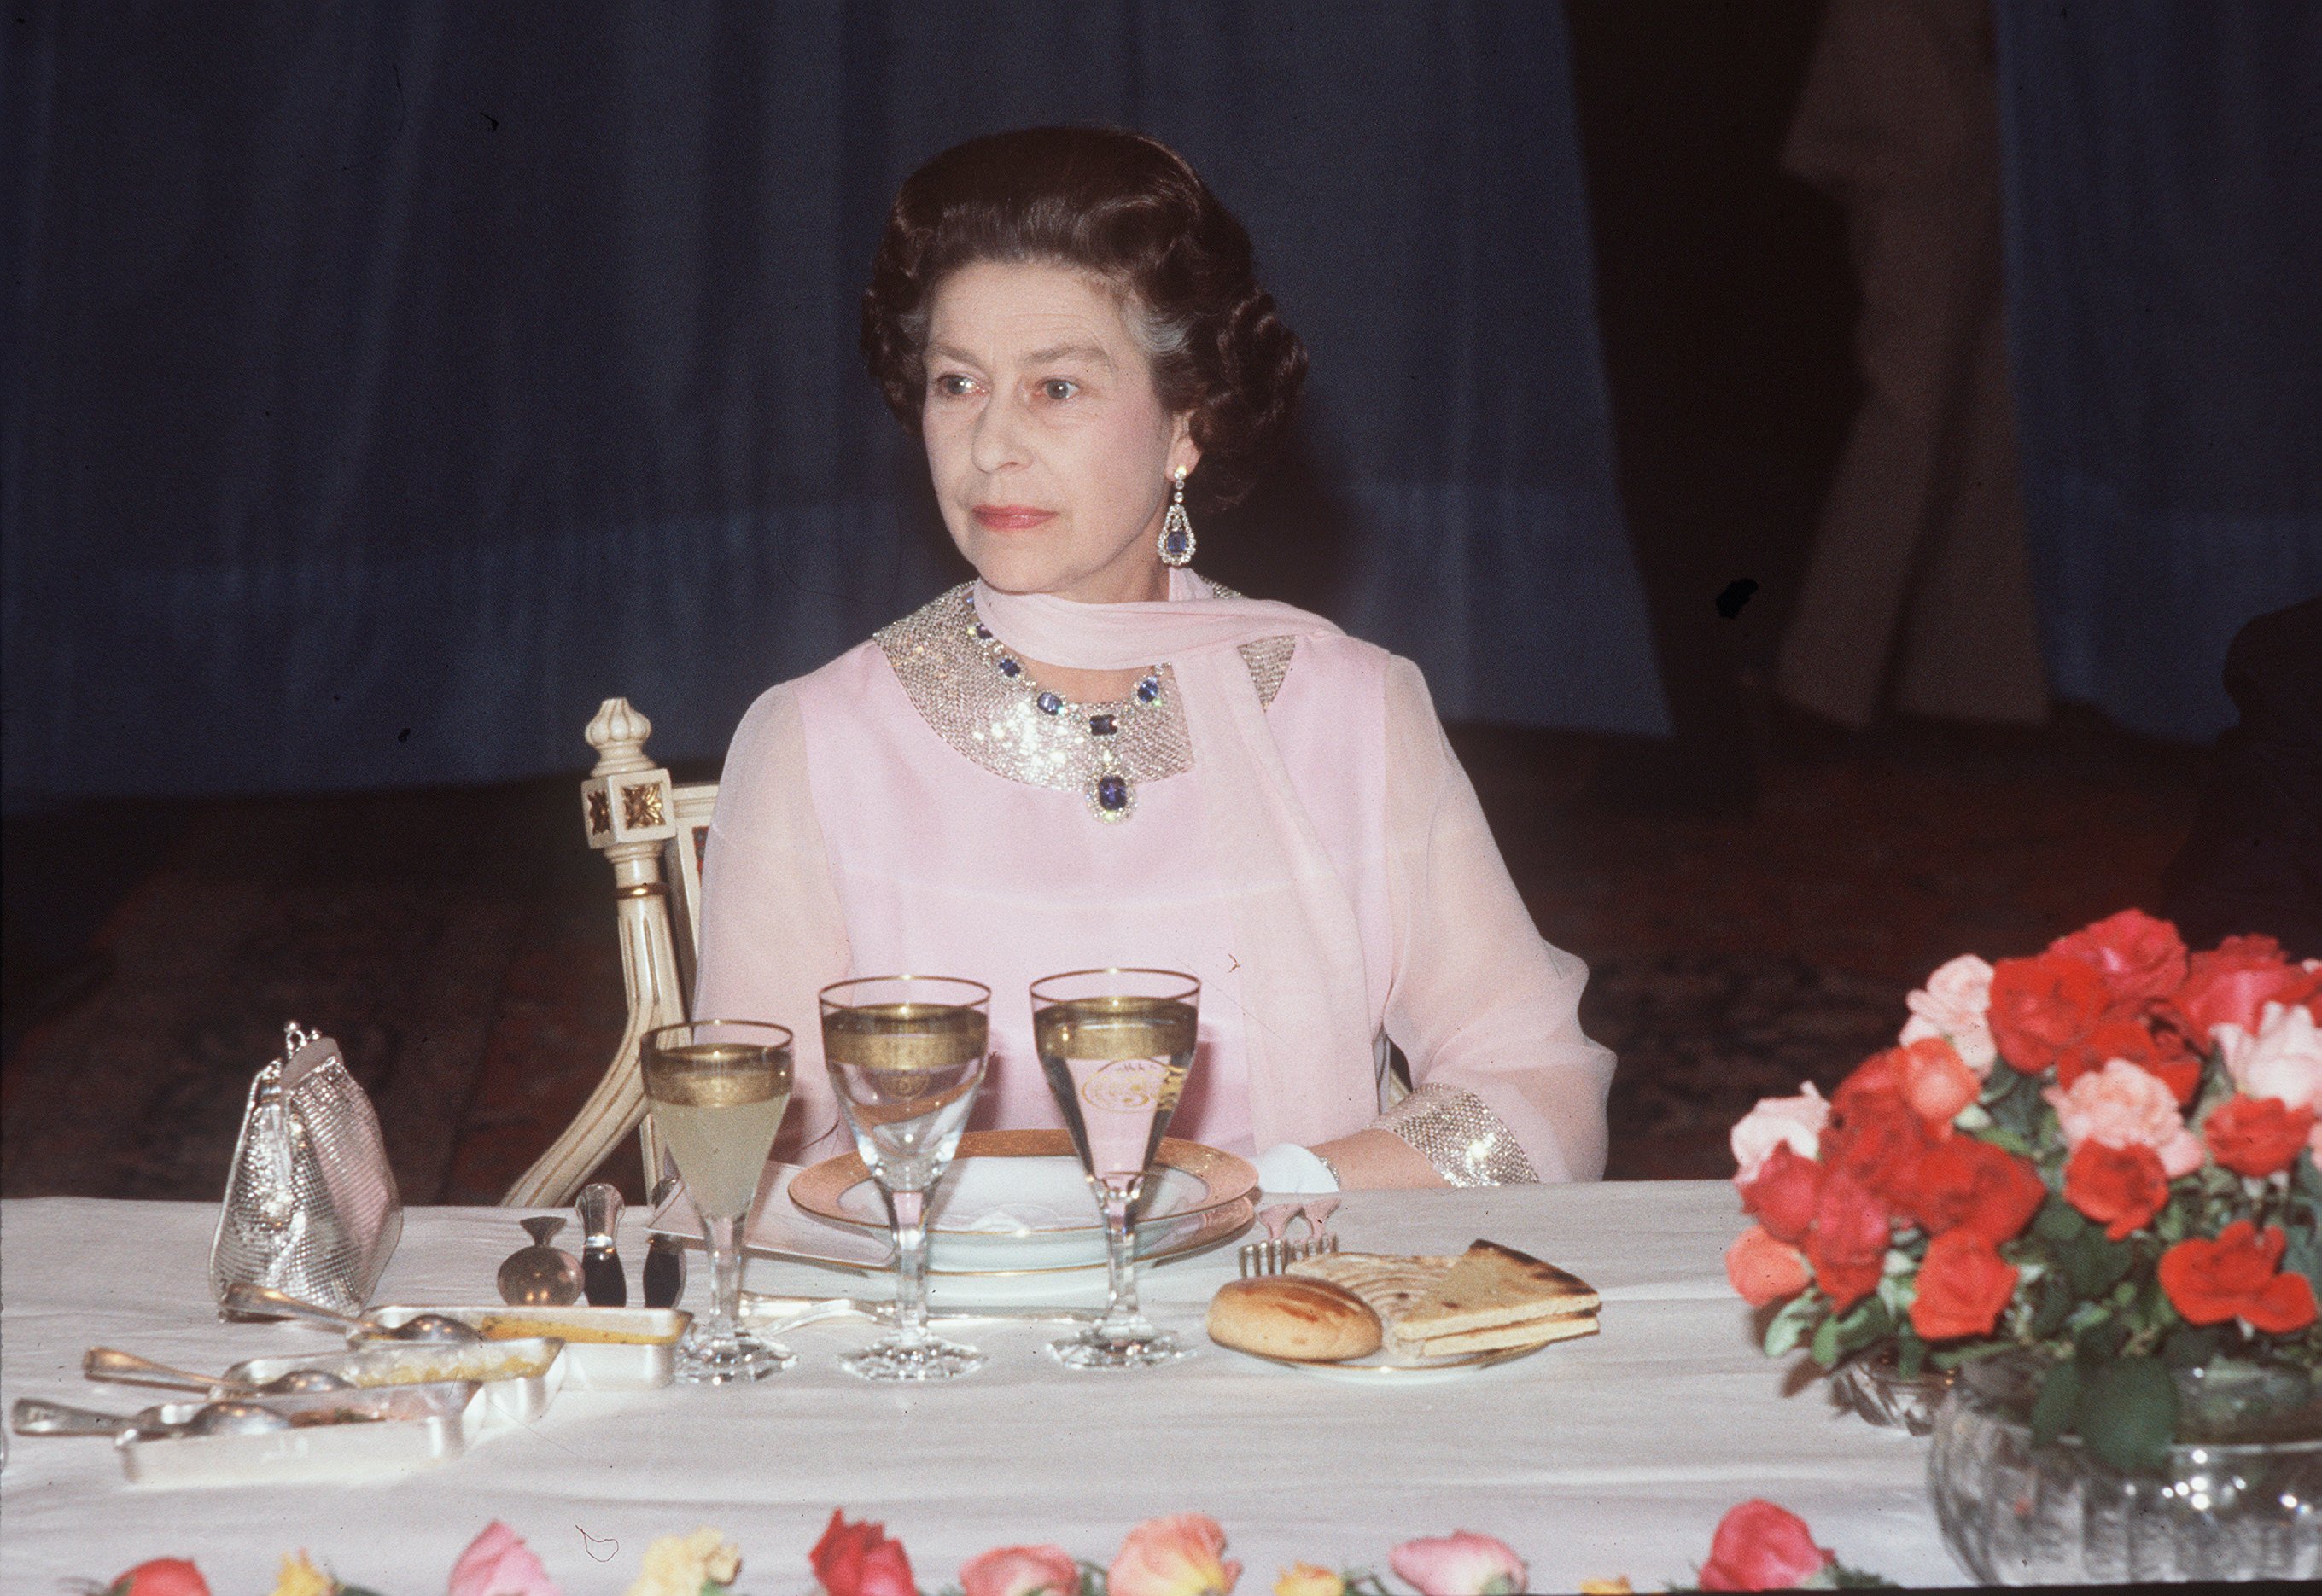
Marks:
<point>1129,210</point>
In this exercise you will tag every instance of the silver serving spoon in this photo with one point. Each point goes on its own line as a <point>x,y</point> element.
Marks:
<point>541,1275</point>
<point>106,1362</point>
<point>243,1297</point>
<point>32,1417</point>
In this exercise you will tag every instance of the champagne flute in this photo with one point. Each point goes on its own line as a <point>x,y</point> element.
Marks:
<point>906,1054</point>
<point>718,1089</point>
<point>1116,1045</point>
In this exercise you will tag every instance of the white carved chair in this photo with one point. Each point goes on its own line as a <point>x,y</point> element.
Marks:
<point>652,832</point>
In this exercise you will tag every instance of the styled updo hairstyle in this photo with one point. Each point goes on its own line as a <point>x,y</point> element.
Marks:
<point>1130,211</point>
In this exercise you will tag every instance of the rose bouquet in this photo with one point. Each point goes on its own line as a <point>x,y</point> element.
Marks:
<point>2103,1158</point>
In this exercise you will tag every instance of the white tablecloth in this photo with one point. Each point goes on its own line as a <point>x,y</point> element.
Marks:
<point>1617,1453</point>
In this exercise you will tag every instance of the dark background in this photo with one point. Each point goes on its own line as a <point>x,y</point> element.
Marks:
<point>396,383</point>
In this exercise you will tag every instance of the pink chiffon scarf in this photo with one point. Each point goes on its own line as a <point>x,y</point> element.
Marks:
<point>1309,1041</point>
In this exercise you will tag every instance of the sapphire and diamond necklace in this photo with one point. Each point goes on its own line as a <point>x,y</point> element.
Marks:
<point>995,720</point>
<point>1111,796</point>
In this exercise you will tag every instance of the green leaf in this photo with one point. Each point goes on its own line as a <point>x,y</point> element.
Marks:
<point>1869,1320</point>
<point>2094,1263</point>
<point>2304,1255</point>
<point>2057,1221</point>
<point>2057,1409</point>
<point>2056,1306</point>
<point>2128,1414</point>
<point>2189,1347</point>
<point>1789,1326</point>
<point>1825,1343</point>
<point>2100,1338</point>
<point>2308,1179</point>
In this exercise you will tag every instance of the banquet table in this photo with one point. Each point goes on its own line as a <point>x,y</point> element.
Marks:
<point>1612,1454</point>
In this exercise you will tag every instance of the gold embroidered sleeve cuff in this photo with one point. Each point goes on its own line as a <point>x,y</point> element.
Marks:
<point>1464,1140</point>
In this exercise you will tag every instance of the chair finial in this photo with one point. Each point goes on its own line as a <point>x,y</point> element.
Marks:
<point>618,727</point>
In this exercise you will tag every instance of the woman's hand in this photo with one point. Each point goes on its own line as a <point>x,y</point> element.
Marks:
<point>1379,1158</point>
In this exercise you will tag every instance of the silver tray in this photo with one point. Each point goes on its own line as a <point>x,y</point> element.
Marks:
<point>519,1378</point>
<point>417,1425</point>
<point>645,1359</point>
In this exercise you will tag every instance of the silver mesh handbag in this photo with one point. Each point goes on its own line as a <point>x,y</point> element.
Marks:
<point>310,1207</point>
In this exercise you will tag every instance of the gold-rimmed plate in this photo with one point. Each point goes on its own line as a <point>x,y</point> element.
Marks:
<point>1016,1199</point>
<point>1154,1244</point>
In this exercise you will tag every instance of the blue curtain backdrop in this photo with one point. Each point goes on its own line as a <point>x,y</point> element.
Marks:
<point>393,380</point>
<point>2165,262</point>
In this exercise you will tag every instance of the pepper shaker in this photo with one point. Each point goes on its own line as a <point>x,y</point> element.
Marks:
<point>664,1270</point>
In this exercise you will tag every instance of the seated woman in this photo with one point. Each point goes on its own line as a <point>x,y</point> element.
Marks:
<point>1090,756</point>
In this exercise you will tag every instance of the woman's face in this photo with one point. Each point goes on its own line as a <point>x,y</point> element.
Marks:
<point>1051,453</point>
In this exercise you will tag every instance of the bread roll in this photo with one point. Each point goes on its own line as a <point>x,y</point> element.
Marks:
<point>1283,1315</point>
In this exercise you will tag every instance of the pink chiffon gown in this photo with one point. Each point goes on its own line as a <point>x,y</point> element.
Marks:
<point>889,814</point>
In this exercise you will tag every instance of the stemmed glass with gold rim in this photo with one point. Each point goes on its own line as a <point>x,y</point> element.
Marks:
<point>717,1090</point>
<point>906,1054</point>
<point>1116,1045</point>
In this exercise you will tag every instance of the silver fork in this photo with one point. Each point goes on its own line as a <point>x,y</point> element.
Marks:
<point>1277,1253</point>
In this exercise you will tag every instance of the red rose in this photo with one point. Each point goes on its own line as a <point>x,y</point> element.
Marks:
<point>2041,1006</point>
<point>2235,1277</point>
<point>1759,1546</point>
<point>1963,1284</point>
<point>1965,1184</point>
<point>1783,1196</point>
<point>1879,1139</point>
<point>1764,1270</point>
<point>2233,985</point>
<point>2175,1059</point>
<point>2159,1052</point>
<point>2120,1188</point>
<point>2257,1135</point>
<point>162,1576</point>
<point>859,1560</point>
<point>1881,1075</point>
<point>2139,957</point>
<point>1847,1245</point>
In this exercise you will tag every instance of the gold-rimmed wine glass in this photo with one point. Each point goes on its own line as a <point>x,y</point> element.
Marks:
<point>717,1090</point>
<point>906,1054</point>
<point>1116,1045</point>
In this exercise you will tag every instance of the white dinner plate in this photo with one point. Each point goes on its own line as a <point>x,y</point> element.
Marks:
<point>1383,1368</point>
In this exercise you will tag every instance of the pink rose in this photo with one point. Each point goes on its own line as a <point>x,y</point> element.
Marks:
<point>2123,1106</point>
<point>497,1563</point>
<point>1759,1546</point>
<point>2283,1060</point>
<point>1936,1081</point>
<point>1181,1555</point>
<point>1796,1123</point>
<point>1021,1571</point>
<point>1459,1564</point>
<point>1763,1270</point>
<point>1956,1005</point>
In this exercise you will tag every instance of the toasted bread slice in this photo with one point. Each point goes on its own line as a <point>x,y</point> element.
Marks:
<point>1392,1285</point>
<point>1527,1333</point>
<point>1493,1285</point>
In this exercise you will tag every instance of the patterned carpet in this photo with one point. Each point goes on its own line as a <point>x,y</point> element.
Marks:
<point>461,944</point>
